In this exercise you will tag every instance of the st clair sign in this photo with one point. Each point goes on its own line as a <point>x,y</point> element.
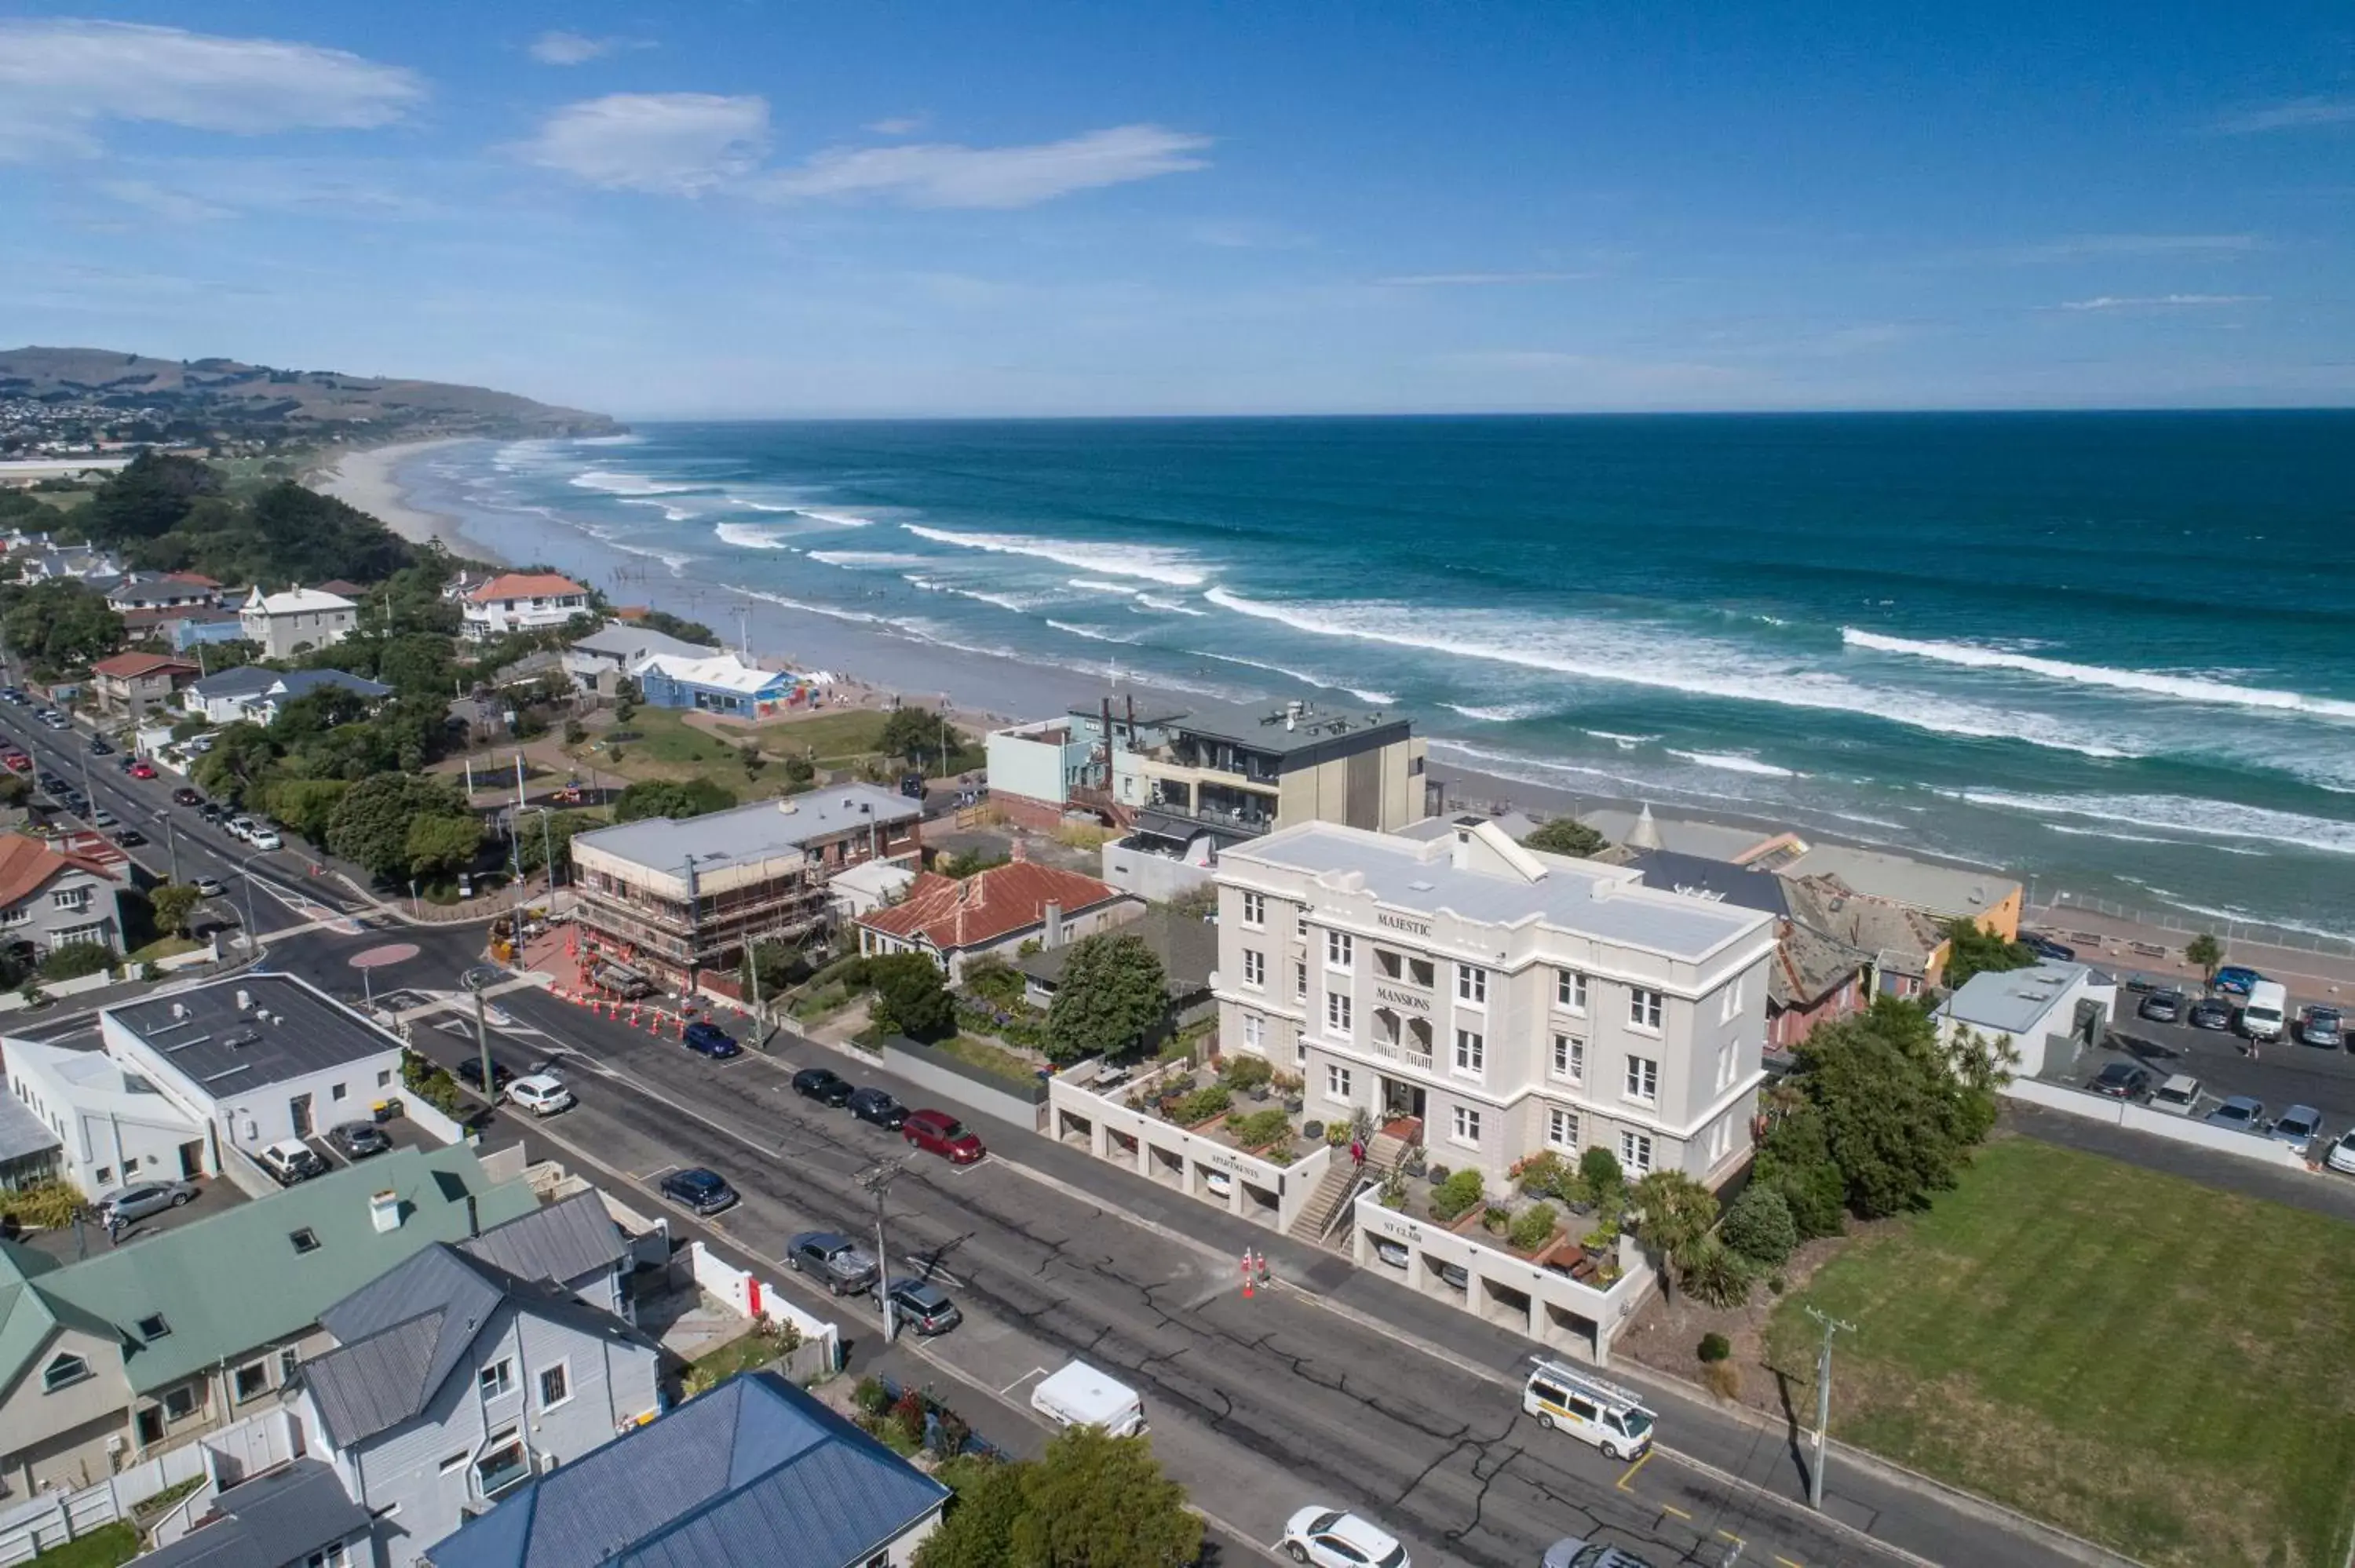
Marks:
<point>1412,928</point>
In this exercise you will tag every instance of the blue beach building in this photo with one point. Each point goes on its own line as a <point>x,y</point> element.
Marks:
<point>721,684</point>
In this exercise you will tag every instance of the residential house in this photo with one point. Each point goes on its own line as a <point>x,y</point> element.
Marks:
<point>128,685</point>
<point>453,1382</point>
<point>188,629</point>
<point>1908,947</point>
<point>297,620</point>
<point>220,697</point>
<point>145,1346</point>
<point>1185,945</point>
<point>954,920</point>
<point>722,685</point>
<point>50,899</point>
<point>756,1474</point>
<point>599,661</point>
<point>1944,893</point>
<point>113,1126</point>
<point>680,898</point>
<point>1814,979</point>
<point>294,1516</point>
<point>1720,882</point>
<point>164,591</point>
<point>572,1243</point>
<point>862,889</point>
<point>522,601</point>
<point>2051,1012</point>
<point>1510,1002</point>
<point>263,707</point>
<point>85,564</point>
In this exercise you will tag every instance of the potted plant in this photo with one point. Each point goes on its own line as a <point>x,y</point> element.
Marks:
<point>1603,1240</point>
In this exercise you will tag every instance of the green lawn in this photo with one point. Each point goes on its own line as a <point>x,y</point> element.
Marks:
<point>667,747</point>
<point>164,947</point>
<point>990,1057</point>
<point>2149,1363</point>
<point>108,1546</point>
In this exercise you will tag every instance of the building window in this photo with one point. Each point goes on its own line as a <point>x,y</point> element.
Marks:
<point>1562,1129</point>
<point>555,1385</point>
<point>1724,1064</point>
<point>1300,924</point>
<point>384,1078</point>
<point>64,1370</point>
<point>1643,1079</point>
<point>1569,1058</point>
<point>1471,1053</point>
<point>70,899</point>
<point>289,1359</point>
<point>1254,1033</point>
<point>180,1403</point>
<point>1255,910</point>
<point>154,1325</point>
<point>1472,985</point>
<point>1635,1152</point>
<point>1467,1130</point>
<point>1730,1001</point>
<point>1300,982</point>
<point>1340,948</point>
<point>305,1240</point>
<point>1337,1012</point>
<point>331,1557</point>
<point>453,1462</point>
<point>1570,990</point>
<point>1644,1009</point>
<point>1337,1083</point>
<point>497,1379</point>
<point>1389,965</point>
<point>103,1176</point>
<point>336,1091</point>
<point>1254,969</point>
<point>252,1380</point>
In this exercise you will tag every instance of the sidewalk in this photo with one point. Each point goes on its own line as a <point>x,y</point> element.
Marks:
<point>2305,972</point>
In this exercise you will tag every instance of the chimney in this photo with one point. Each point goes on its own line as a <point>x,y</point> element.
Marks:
<point>384,1212</point>
<point>1291,710</point>
<point>244,1000</point>
<point>1018,851</point>
<point>1054,937</point>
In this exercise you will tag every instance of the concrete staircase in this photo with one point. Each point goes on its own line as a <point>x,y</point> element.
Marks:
<point>1341,1183</point>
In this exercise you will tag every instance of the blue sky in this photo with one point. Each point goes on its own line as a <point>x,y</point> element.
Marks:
<point>838,207</point>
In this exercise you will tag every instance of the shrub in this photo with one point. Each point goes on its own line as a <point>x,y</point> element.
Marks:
<point>908,1415</point>
<point>1261,1127</point>
<point>49,1205</point>
<point>1759,1226</point>
<point>1598,1168</point>
<point>1190,1111</point>
<point>1715,1347</point>
<point>1541,1174</point>
<point>1438,1174</point>
<point>1717,1275</point>
<point>1723,1379</point>
<point>1534,1228</point>
<point>74,959</point>
<point>1243,1074</point>
<point>1458,1193</point>
<point>1336,1133</point>
<point>1497,1218</point>
<point>870,1396</point>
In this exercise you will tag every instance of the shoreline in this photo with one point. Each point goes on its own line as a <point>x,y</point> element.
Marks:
<point>363,477</point>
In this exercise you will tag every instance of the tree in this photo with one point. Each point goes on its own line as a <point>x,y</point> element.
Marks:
<point>911,997</point>
<point>1565,835</point>
<point>1758,1225</point>
<point>306,805</point>
<point>979,1531</point>
<point>1093,1500</point>
<point>59,625</point>
<point>1796,1160</point>
<point>1599,1174</point>
<point>150,496</point>
<point>241,753</point>
<point>172,903</point>
<point>1676,1212</point>
<point>535,842</point>
<point>1110,994</point>
<point>670,797</point>
<point>443,845</point>
<point>800,772</point>
<point>371,823</point>
<point>918,735</point>
<point>2207,952</point>
<point>1972,949</point>
<point>1898,1119</point>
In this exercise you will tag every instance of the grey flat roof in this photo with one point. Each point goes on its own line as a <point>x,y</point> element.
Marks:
<point>1631,914</point>
<point>748,835</point>
<point>1684,835</point>
<point>1901,879</point>
<point>626,641</point>
<point>1697,876</point>
<point>224,1050</point>
<point>1259,726</point>
<point>2014,1000</point>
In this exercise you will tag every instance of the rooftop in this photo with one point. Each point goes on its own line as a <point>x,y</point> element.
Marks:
<point>746,835</point>
<point>975,911</point>
<point>296,600</point>
<point>720,672</point>
<point>1715,841</point>
<point>1261,726</point>
<point>526,585</point>
<point>132,666</point>
<point>1941,890</point>
<point>1696,876</point>
<point>558,1242</point>
<point>1574,895</point>
<point>23,1134</point>
<point>2012,1002</point>
<point>237,1034</point>
<point>302,683</point>
<point>756,1474</point>
<point>1900,939</point>
<point>276,1517</point>
<point>28,865</point>
<point>622,641</point>
<point>245,680</point>
<point>1187,948</point>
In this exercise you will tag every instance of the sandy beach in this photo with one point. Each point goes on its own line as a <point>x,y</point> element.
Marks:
<point>364,478</point>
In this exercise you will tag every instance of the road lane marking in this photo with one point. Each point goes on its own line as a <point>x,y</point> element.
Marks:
<point>1671,1508</point>
<point>1731,1536</point>
<point>1786,1563</point>
<point>1008,1391</point>
<point>1627,1481</point>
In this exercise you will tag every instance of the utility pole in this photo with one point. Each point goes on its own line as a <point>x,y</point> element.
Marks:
<point>877,1179</point>
<point>1823,1402</point>
<point>474,980</point>
<point>172,846</point>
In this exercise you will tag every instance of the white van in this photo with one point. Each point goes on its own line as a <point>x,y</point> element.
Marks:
<point>2261,1014</point>
<point>1565,1399</point>
<point>1079,1395</point>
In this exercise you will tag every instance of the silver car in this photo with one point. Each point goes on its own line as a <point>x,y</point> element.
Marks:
<point>147,1198</point>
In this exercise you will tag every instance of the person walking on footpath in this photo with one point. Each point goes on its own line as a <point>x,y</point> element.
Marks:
<point>1358,1152</point>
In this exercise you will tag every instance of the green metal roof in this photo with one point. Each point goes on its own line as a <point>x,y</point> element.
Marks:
<point>228,1285</point>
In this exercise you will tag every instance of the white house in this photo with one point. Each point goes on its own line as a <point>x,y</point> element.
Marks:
<point>115,1125</point>
<point>523,601</point>
<point>299,618</point>
<point>2049,1012</point>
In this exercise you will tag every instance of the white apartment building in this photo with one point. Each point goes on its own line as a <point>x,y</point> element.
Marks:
<point>288,623</point>
<point>1513,1000</point>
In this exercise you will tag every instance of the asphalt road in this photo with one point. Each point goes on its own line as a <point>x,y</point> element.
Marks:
<point>2282,1073</point>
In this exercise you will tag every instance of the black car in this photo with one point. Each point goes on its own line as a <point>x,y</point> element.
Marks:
<point>2209,1012</point>
<point>877,1106</point>
<point>470,1073</point>
<point>2046,948</point>
<point>925,1307</point>
<point>212,812</point>
<point>358,1140</point>
<point>2162,1006</point>
<point>822,1085</point>
<point>2121,1081</point>
<point>698,1191</point>
<point>130,838</point>
<point>184,795</point>
<point>98,746</point>
<point>52,785</point>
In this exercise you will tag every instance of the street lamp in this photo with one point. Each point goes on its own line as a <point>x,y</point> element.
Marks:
<point>474,980</point>
<point>245,871</point>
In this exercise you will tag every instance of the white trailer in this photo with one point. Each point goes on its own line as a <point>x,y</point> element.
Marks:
<point>1080,1396</point>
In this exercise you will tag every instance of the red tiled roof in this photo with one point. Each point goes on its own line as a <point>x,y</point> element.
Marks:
<point>526,585</point>
<point>26,864</point>
<point>131,666</point>
<point>987,905</point>
<point>196,577</point>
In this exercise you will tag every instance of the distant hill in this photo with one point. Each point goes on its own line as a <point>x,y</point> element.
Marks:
<point>259,400</point>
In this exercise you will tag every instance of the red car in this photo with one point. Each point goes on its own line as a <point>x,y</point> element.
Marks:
<point>17,762</point>
<point>937,1132</point>
<point>142,769</point>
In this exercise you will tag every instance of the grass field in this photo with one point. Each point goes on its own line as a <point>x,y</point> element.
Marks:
<point>2149,1363</point>
<point>667,747</point>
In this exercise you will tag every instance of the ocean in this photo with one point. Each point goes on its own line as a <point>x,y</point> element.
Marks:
<point>2112,651</point>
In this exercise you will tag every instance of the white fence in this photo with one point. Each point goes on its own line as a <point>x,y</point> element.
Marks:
<point>749,1295</point>
<point>2142,1119</point>
<point>217,1460</point>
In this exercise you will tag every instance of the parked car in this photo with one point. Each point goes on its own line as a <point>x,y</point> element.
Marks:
<point>211,812</point>
<point>2209,1012</point>
<point>130,838</point>
<point>2139,984</point>
<point>2240,1113</point>
<point>2320,1025</point>
<point>878,1107</point>
<point>1329,1538</point>
<point>2046,948</point>
<point>146,1198</point>
<point>98,746</point>
<point>293,1162</point>
<point>823,1085</point>
<point>2121,1081</point>
<point>706,1038</point>
<point>1577,1552</point>
<point>2162,1006</point>
<point>101,818</point>
<point>470,1073</point>
<point>2297,1126</point>
<point>2342,1153</point>
<point>240,827</point>
<point>835,1260</point>
<point>358,1140</point>
<point>698,1191</point>
<point>925,1307</point>
<point>141,768</point>
<point>184,795</point>
<point>937,1132</point>
<point>1393,1254</point>
<point>540,1094</point>
<point>17,762</point>
<point>209,887</point>
<point>2234,979</point>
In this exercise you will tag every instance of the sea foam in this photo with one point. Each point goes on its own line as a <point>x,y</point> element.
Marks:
<point>2182,814</point>
<point>1155,563</point>
<point>2177,688</point>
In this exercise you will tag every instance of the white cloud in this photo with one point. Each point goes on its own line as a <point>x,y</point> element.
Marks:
<point>944,174</point>
<point>172,207</point>
<point>1477,279</point>
<point>2298,114</point>
<point>60,79</point>
<point>899,125</point>
<point>2078,247</point>
<point>672,143</point>
<point>2158,302</point>
<point>562,49</point>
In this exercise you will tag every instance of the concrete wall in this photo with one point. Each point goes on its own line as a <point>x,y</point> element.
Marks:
<point>1257,1190</point>
<point>2142,1119</point>
<point>1152,877</point>
<point>1037,769</point>
<point>748,1295</point>
<point>950,1079</point>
